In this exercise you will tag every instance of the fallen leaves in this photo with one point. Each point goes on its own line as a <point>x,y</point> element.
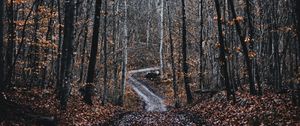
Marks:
<point>77,113</point>
<point>158,119</point>
<point>269,109</point>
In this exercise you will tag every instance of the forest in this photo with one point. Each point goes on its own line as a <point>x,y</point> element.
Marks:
<point>149,62</point>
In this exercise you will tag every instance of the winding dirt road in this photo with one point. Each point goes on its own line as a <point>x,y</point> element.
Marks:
<point>152,101</point>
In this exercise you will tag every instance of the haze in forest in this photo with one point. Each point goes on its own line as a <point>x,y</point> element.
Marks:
<point>149,62</point>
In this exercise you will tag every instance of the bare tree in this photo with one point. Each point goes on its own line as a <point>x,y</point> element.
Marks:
<point>184,56</point>
<point>161,36</point>
<point>223,62</point>
<point>298,24</point>
<point>175,87</point>
<point>1,44</point>
<point>85,39</point>
<point>58,60</point>
<point>242,39</point>
<point>201,71</point>
<point>105,85</point>
<point>148,23</point>
<point>115,40</point>
<point>67,52</point>
<point>124,63</point>
<point>94,47</point>
<point>11,43</point>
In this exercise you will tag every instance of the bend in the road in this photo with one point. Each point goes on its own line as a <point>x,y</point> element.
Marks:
<point>153,102</point>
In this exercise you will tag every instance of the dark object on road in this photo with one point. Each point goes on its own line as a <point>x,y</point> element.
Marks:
<point>87,92</point>
<point>152,75</point>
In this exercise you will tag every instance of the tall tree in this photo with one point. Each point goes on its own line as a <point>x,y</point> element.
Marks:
<point>250,21</point>
<point>58,61</point>
<point>85,39</point>
<point>115,40</point>
<point>34,48</point>
<point>49,34</point>
<point>298,25</point>
<point>148,23</point>
<point>175,87</point>
<point>184,56</point>
<point>105,85</point>
<point>223,62</point>
<point>161,36</point>
<point>11,42</point>
<point>94,47</point>
<point>124,63</point>
<point>242,39</point>
<point>67,52</point>
<point>1,44</point>
<point>200,7</point>
<point>298,34</point>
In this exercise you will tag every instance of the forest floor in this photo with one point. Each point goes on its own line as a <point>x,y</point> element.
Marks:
<point>38,106</point>
<point>272,108</point>
<point>42,102</point>
<point>269,109</point>
<point>211,109</point>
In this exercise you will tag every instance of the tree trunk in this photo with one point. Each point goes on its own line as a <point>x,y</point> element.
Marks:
<point>148,23</point>
<point>251,36</point>
<point>49,35</point>
<point>298,34</point>
<point>184,56</point>
<point>116,43</point>
<point>85,37</point>
<point>67,52</point>
<point>124,64</point>
<point>244,48</point>
<point>58,62</point>
<point>35,47</point>
<point>1,45</point>
<point>175,87</point>
<point>161,37</point>
<point>223,62</point>
<point>11,45</point>
<point>94,47</point>
<point>105,90</point>
<point>200,45</point>
<point>298,27</point>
